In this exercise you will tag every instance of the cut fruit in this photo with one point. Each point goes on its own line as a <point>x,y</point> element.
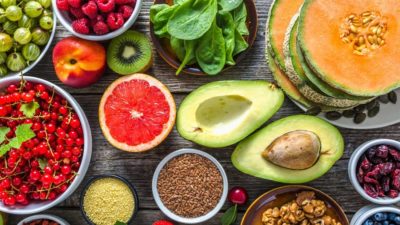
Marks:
<point>222,113</point>
<point>280,14</point>
<point>248,155</point>
<point>296,74</point>
<point>130,53</point>
<point>136,113</point>
<point>352,45</point>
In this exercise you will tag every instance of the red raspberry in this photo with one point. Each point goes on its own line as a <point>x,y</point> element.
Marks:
<point>105,5</point>
<point>100,28</point>
<point>62,5</point>
<point>115,20</point>
<point>125,2</point>
<point>75,3</point>
<point>162,222</point>
<point>77,13</point>
<point>90,9</point>
<point>126,11</point>
<point>81,26</point>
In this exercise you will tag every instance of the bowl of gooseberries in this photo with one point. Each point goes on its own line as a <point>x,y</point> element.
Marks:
<point>28,28</point>
<point>45,145</point>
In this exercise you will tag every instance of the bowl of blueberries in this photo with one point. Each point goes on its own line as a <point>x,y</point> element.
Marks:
<point>377,215</point>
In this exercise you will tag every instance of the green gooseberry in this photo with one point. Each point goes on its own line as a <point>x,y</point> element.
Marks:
<point>31,52</point>
<point>3,70</point>
<point>46,22</point>
<point>13,13</point>
<point>15,62</point>
<point>6,42</point>
<point>22,35</point>
<point>33,9</point>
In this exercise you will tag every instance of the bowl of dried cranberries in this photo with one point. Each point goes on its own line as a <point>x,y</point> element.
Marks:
<point>97,20</point>
<point>374,171</point>
<point>45,145</point>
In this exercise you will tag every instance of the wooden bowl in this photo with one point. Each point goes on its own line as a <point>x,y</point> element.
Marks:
<point>279,196</point>
<point>163,46</point>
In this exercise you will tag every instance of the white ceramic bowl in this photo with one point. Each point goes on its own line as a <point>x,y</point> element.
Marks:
<point>352,169</point>
<point>43,50</point>
<point>39,206</point>
<point>367,211</point>
<point>66,22</point>
<point>43,216</point>
<point>168,212</point>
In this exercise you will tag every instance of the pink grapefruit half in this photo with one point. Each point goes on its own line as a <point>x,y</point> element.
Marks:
<point>136,113</point>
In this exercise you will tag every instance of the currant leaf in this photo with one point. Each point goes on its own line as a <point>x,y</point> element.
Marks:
<point>3,133</point>
<point>42,163</point>
<point>22,133</point>
<point>4,149</point>
<point>29,109</point>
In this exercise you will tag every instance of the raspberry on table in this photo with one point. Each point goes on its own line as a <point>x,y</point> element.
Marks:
<point>126,11</point>
<point>105,5</point>
<point>77,13</point>
<point>62,5</point>
<point>115,21</point>
<point>162,222</point>
<point>100,28</point>
<point>81,26</point>
<point>90,9</point>
<point>125,2</point>
<point>75,3</point>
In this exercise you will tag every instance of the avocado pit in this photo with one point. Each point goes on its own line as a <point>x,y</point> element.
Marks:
<point>297,150</point>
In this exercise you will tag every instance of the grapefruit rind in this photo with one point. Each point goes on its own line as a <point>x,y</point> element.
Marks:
<point>167,126</point>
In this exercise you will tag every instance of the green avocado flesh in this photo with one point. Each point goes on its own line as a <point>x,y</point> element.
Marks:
<point>247,156</point>
<point>222,113</point>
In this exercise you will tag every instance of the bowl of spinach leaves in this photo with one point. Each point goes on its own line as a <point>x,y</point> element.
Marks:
<point>203,37</point>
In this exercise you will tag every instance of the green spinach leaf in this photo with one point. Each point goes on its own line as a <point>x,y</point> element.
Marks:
<point>225,21</point>
<point>178,47</point>
<point>240,17</point>
<point>210,52</point>
<point>240,43</point>
<point>155,9</point>
<point>160,19</point>
<point>189,54</point>
<point>192,19</point>
<point>229,5</point>
<point>179,2</point>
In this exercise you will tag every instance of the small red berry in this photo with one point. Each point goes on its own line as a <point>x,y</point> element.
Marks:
<point>162,222</point>
<point>105,5</point>
<point>126,11</point>
<point>90,9</point>
<point>126,2</point>
<point>100,28</point>
<point>77,13</point>
<point>81,26</point>
<point>75,3</point>
<point>238,195</point>
<point>115,21</point>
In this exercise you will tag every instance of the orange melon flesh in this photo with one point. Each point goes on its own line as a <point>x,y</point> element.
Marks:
<point>334,61</point>
<point>280,16</point>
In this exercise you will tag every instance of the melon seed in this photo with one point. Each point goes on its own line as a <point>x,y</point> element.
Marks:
<point>359,118</point>
<point>360,108</point>
<point>374,111</point>
<point>313,111</point>
<point>392,97</point>
<point>348,113</point>
<point>384,99</point>
<point>333,115</point>
<point>372,104</point>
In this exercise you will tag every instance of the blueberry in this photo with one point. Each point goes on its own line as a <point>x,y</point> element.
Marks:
<point>391,216</point>
<point>386,222</point>
<point>368,222</point>
<point>397,220</point>
<point>380,216</point>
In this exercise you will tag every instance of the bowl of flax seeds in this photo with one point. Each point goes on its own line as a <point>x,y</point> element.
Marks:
<point>190,186</point>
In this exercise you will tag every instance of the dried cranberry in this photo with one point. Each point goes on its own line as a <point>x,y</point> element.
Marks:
<point>366,164</point>
<point>396,179</point>
<point>386,168</point>
<point>370,190</point>
<point>395,154</point>
<point>382,151</point>
<point>370,180</point>
<point>375,172</point>
<point>371,153</point>
<point>386,184</point>
<point>393,193</point>
<point>360,175</point>
<point>380,191</point>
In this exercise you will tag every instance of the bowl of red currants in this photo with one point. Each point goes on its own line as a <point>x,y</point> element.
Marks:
<point>374,171</point>
<point>45,145</point>
<point>97,20</point>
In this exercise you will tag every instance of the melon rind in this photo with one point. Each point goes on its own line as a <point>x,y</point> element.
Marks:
<point>296,74</point>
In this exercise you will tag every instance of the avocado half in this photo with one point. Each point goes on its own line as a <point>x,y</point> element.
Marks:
<point>222,113</point>
<point>247,157</point>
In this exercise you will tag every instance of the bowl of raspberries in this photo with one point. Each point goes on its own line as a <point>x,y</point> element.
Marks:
<point>374,171</point>
<point>97,20</point>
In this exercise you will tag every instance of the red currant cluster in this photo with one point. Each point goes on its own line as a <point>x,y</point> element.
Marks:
<point>45,165</point>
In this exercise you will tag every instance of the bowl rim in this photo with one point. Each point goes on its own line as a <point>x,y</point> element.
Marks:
<point>365,212</point>
<point>86,156</point>
<point>43,51</point>
<point>99,177</point>
<point>196,70</point>
<point>55,218</point>
<point>168,212</point>
<point>127,25</point>
<point>304,187</point>
<point>352,168</point>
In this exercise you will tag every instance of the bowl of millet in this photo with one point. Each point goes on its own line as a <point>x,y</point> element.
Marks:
<point>97,20</point>
<point>190,186</point>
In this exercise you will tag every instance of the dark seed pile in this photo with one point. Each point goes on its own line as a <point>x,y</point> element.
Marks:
<point>190,185</point>
<point>361,112</point>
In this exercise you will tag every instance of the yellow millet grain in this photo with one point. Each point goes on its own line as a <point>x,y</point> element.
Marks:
<point>108,200</point>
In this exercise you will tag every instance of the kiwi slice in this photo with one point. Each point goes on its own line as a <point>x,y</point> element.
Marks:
<point>129,53</point>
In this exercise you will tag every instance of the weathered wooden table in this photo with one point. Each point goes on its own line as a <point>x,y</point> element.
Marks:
<point>138,168</point>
